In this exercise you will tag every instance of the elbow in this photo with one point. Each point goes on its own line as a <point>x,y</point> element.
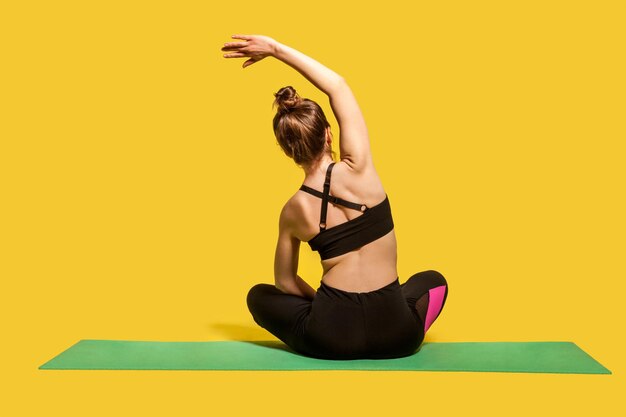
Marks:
<point>276,282</point>
<point>338,83</point>
<point>279,283</point>
<point>286,284</point>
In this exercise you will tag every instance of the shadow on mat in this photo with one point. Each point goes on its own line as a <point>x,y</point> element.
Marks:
<point>239,332</point>
<point>273,344</point>
<point>277,344</point>
<point>244,334</point>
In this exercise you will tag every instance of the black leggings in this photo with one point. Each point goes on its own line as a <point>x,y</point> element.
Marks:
<point>389,322</point>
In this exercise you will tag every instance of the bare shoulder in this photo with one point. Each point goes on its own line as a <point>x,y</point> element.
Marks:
<point>292,214</point>
<point>291,209</point>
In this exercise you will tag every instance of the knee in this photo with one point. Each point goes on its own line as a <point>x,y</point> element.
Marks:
<point>430,278</point>
<point>437,278</point>
<point>255,295</point>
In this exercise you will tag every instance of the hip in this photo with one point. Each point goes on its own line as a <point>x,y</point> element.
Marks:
<point>374,323</point>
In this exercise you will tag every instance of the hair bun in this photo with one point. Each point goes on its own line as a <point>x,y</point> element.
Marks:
<point>286,99</point>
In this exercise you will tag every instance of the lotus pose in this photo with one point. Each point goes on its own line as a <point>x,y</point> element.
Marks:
<point>360,310</point>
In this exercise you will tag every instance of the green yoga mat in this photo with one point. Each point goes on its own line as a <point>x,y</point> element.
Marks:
<point>536,357</point>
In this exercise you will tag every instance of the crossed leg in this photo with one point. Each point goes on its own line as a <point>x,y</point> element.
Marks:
<point>426,293</point>
<point>279,313</point>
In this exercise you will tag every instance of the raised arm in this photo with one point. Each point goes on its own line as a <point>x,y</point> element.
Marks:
<point>354,147</point>
<point>354,142</point>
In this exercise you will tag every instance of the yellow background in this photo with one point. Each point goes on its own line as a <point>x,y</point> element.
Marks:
<point>141,185</point>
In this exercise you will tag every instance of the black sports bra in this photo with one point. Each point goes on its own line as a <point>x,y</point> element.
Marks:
<point>374,223</point>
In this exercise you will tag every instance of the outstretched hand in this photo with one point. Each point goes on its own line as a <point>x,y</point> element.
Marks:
<point>256,47</point>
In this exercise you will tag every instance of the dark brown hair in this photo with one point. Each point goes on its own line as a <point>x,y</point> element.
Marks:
<point>299,126</point>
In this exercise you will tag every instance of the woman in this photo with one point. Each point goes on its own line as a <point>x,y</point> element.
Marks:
<point>360,309</point>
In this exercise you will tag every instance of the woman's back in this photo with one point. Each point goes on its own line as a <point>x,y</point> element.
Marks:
<point>360,310</point>
<point>372,265</point>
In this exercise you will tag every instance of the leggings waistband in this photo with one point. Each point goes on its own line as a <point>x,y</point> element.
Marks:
<point>332,291</point>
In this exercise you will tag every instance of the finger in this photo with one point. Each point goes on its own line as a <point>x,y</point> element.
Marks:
<point>246,37</point>
<point>233,45</point>
<point>248,62</point>
<point>234,55</point>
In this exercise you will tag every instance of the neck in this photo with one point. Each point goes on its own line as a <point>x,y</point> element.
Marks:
<point>317,167</point>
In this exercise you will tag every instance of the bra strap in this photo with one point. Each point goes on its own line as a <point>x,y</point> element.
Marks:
<point>335,200</point>
<point>325,196</point>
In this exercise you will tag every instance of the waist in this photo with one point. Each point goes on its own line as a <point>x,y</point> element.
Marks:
<point>364,269</point>
<point>360,273</point>
<point>392,287</point>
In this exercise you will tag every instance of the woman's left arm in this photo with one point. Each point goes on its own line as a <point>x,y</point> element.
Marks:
<point>286,260</point>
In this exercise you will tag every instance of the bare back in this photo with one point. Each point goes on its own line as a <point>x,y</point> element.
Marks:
<point>367,268</point>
